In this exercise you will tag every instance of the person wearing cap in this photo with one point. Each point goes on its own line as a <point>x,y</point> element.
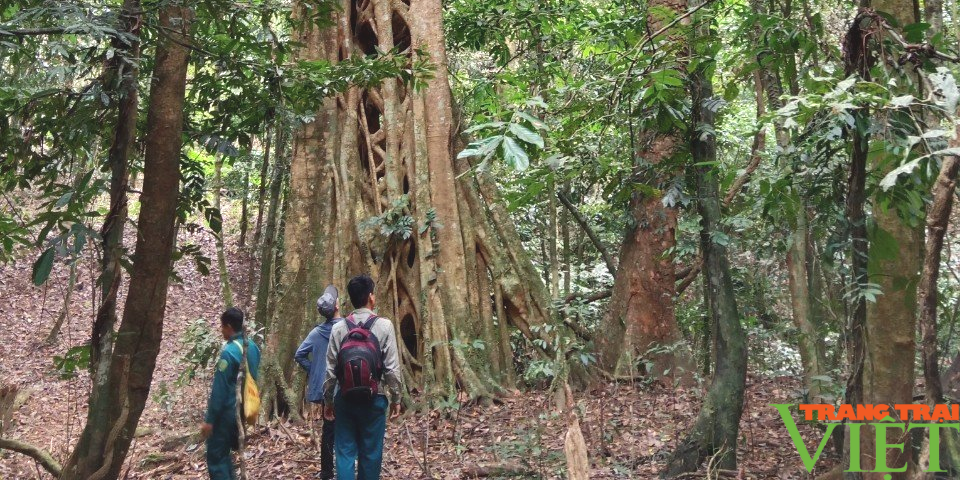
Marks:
<point>312,356</point>
<point>220,428</point>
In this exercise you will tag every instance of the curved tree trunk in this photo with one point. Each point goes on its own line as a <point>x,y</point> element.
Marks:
<point>718,423</point>
<point>122,69</point>
<point>376,159</point>
<point>103,445</point>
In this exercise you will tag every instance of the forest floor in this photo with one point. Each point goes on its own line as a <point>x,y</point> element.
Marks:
<point>630,428</point>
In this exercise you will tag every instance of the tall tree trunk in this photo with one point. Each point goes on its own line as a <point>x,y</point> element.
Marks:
<point>387,154</point>
<point>718,423</point>
<point>225,290</point>
<point>262,189</point>
<point>641,313</point>
<point>890,328</point>
<point>121,70</point>
<point>938,221</point>
<point>269,245</point>
<point>103,446</point>
<point>799,279</point>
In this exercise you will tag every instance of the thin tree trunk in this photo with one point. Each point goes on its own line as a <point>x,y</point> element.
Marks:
<point>67,300</point>
<point>718,424</point>
<point>225,290</point>
<point>938,219</point>
<point>262,189</point>
<point>244,207</point>
<point>798,275</point>
<point>268,247</point>
<point>122,69</point>
<point>103,447</point>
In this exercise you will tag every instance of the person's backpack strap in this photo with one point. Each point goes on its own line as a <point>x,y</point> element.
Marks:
<point>369,323</point>
<point>350,323</point>
<point>240,346</point>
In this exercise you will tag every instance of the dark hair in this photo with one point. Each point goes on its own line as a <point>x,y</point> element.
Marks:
<point>360,288</point>
<point>233,316</point>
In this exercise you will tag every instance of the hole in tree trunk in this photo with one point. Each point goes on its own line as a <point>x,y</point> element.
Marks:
<point>412,253</point>
<point>406,186</point>
<point>364,37</point>
<point>408,330</point>
<point>401,33</point>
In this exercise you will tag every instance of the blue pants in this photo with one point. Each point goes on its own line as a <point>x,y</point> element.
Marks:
<point>225,437</point>
<point>358,438</point>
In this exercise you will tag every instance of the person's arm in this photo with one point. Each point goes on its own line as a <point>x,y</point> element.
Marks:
<point>220,390</point>
<point>330,382</point>
<point>391,365</point>
<point>303,353</point>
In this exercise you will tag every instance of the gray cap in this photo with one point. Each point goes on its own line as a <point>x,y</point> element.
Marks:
<point>327,303</point>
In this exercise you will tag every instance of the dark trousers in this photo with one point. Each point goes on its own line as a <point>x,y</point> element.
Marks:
<point>224,438</point>
<point>359,437</point>
<point>326,450</point>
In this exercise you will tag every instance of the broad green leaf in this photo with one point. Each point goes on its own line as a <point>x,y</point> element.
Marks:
<point>42,267</point>
<point>514,155</point>
<point>525,134</point>
<point>483,126</point>
<point>536,122</point>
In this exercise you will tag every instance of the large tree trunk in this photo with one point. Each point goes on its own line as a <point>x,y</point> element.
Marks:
<point>103,445</point>
<point>890,328</point>
<point>641,311</point>
<point>718,424</point>
<point>382,156</point>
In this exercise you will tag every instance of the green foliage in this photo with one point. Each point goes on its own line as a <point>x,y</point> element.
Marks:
<point>74,360</point>
<point>201,345</point>
<point>394,223</point>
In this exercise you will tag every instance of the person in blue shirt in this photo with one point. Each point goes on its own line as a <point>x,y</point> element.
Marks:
<point>312,356</point>
<point>220,427</point>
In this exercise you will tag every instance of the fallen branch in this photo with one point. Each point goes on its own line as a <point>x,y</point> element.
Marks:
<point>505,469</point>
<point>42,456</point>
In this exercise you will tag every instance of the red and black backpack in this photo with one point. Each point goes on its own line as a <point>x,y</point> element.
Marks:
<point>359,361</point>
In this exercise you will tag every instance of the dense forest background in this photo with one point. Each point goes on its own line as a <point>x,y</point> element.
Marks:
<point>609,233</point>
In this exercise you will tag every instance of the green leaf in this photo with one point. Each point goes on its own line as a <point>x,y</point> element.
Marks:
<point>514,154</point>
<point>536,122</point>
<point>42,267</point>
<point>481,148</point>
<point>527,135</point>
<point>483,126</point>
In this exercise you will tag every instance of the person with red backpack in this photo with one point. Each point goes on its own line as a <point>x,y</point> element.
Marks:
<point>363,368</point>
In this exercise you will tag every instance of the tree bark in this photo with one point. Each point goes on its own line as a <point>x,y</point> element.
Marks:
<point>718,423</point>
<point>890,327</point>
<point>938,220</point>
<point>122,69</point>
<point>641,314</point>
<point>799,277</point>
<point>103,446</point>
<point>382,156</point>
<point>268,247</point>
